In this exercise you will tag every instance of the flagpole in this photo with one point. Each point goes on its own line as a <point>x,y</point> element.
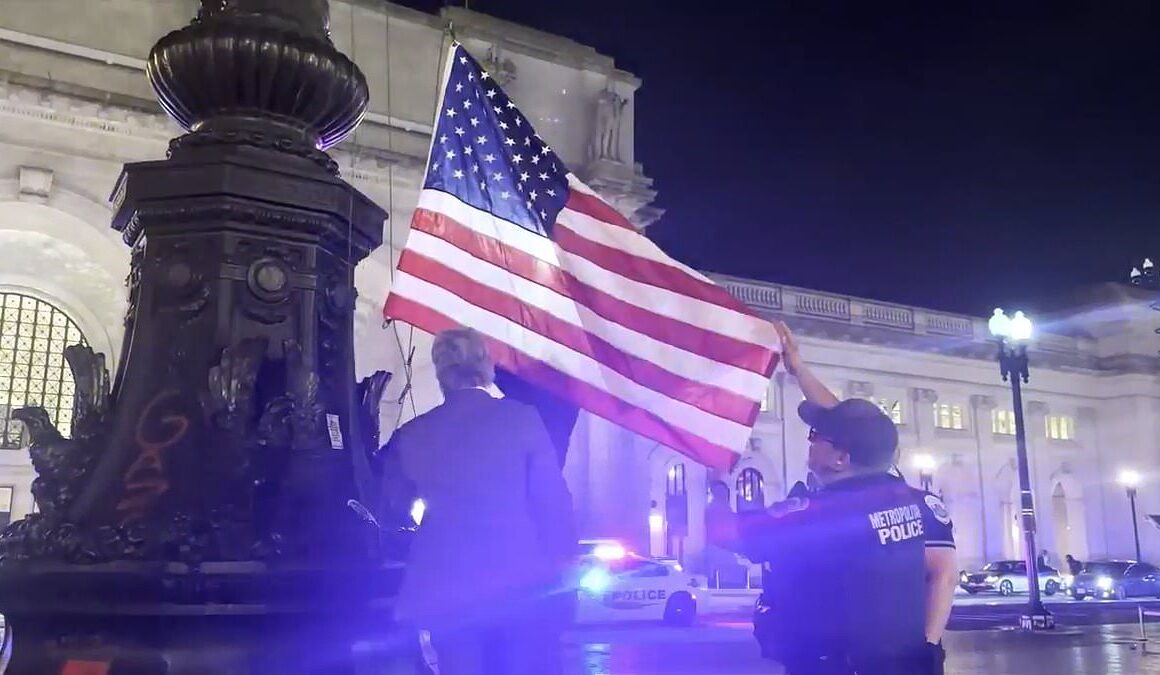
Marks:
<point>445,74</point>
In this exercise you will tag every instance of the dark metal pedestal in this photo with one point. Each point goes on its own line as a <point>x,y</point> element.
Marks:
<point>233,619</point>
<point>199,520</point>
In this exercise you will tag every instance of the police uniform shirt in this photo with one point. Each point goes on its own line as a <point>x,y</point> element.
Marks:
<point>847,566</point>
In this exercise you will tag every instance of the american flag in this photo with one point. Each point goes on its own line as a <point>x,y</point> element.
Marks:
<point>569,295</point>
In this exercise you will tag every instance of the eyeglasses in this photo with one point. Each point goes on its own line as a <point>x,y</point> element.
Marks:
<point>815,436</point>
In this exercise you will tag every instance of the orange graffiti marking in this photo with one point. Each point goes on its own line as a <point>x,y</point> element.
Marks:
<point>145,479</point>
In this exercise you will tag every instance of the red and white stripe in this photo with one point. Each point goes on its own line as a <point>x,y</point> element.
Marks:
<point>598,314</point>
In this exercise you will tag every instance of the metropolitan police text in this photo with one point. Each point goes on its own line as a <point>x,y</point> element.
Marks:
<point>900,524</point>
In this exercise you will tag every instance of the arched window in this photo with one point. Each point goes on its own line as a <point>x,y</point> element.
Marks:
<point>33,335</point>
<point>750,490</point>
<point>676,480</point>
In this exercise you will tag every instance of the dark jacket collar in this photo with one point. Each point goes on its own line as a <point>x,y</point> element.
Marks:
<point>464,394</point>
<point>863,480</point>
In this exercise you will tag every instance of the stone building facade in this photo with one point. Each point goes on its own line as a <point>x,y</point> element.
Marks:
<point>75,106</point>
<point>1091,412</point>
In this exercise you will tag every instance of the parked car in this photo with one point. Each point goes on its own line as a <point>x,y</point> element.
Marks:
<point>1007,577</point>
<point>1116,579</point>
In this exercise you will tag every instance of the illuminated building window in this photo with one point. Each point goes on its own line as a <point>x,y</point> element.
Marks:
<point>892,408</point>
<point>750,490</point>
<point>1003,422</point>
<point>5,505</point>
<point>33,335</point>
<point>1060,428</point>
<point>765,400</point>
<point>947,416</point>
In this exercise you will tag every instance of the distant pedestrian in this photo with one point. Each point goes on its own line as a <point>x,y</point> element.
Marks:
<point>1074,566</point>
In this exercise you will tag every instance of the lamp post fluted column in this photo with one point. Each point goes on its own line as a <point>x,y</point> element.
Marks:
<point>1130,479</point>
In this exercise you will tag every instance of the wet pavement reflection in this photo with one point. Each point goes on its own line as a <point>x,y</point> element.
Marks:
<point>728,649</point>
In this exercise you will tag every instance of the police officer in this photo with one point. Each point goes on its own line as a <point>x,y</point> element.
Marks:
<point>863,570</point>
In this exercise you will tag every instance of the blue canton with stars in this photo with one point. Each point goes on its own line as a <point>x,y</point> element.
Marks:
<point>487,154</point>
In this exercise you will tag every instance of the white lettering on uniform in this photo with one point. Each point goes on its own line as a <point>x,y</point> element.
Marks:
<point>898,524</point>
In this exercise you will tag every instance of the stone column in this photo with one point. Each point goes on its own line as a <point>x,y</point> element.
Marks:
<point>1035,421</point>
<point>577,472</point>
<point>1096,470</point>
<point>797,445</point>
<point>990,518</point>
<point>781,456</point>
<point>922,412</point>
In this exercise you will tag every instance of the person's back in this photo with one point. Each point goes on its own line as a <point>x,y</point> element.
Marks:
<point>848,575</point>
<point>483,534</point>
<point>483,574</point>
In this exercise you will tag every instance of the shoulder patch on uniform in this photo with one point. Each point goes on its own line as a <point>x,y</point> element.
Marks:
<point>939,509</point>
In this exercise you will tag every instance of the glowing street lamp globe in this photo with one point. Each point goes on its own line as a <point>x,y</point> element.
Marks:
<point>1000,324</point>
<point>1021,328</point>
<point>924,463</point>
<point>1016,328</point>
<point>1129,478</point>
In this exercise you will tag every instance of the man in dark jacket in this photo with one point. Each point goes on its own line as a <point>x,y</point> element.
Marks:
<point>498,530</point>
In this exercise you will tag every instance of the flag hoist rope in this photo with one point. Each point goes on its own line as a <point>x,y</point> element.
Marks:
<point>407,354</point>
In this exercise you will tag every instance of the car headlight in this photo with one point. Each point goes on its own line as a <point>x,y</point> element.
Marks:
<point>991,579</point>
<point>1104,583</point>
<point>596,581</point>
<point>963,577</point>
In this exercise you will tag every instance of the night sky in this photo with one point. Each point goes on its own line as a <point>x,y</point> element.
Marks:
<point>954,156</point>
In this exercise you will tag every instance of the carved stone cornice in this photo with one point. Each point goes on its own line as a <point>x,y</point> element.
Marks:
<point>626,188</point>
<point>361,163</point>
<point>859,389</point>
<point>981,402</point>
<point>502,70</point>
<point>35,184</point>
<point>49,106</point>
<point>1037,408</point>
<point>919,395</point>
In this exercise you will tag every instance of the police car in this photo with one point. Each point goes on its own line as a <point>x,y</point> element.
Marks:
<point>617,585</point>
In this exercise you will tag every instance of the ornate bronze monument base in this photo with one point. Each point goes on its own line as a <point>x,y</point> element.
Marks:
<point>200,519</point>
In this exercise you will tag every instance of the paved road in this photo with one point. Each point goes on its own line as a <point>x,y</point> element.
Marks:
<point>985,612</point>
<point>982,642</point>
<point>1000,612</point>
<point>726,648</point>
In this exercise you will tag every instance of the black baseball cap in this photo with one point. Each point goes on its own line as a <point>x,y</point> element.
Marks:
<point>857,426</point>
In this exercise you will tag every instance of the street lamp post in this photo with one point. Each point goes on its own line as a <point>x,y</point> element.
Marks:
<point>925,464</point>
<point>1131,480</point>
<point>1012,334</point>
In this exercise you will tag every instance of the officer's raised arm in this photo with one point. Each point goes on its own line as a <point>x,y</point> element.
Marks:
<point>942,570</point>
<point>812,388</point>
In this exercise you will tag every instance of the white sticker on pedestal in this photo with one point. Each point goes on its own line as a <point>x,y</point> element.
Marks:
<point>335,430</point>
